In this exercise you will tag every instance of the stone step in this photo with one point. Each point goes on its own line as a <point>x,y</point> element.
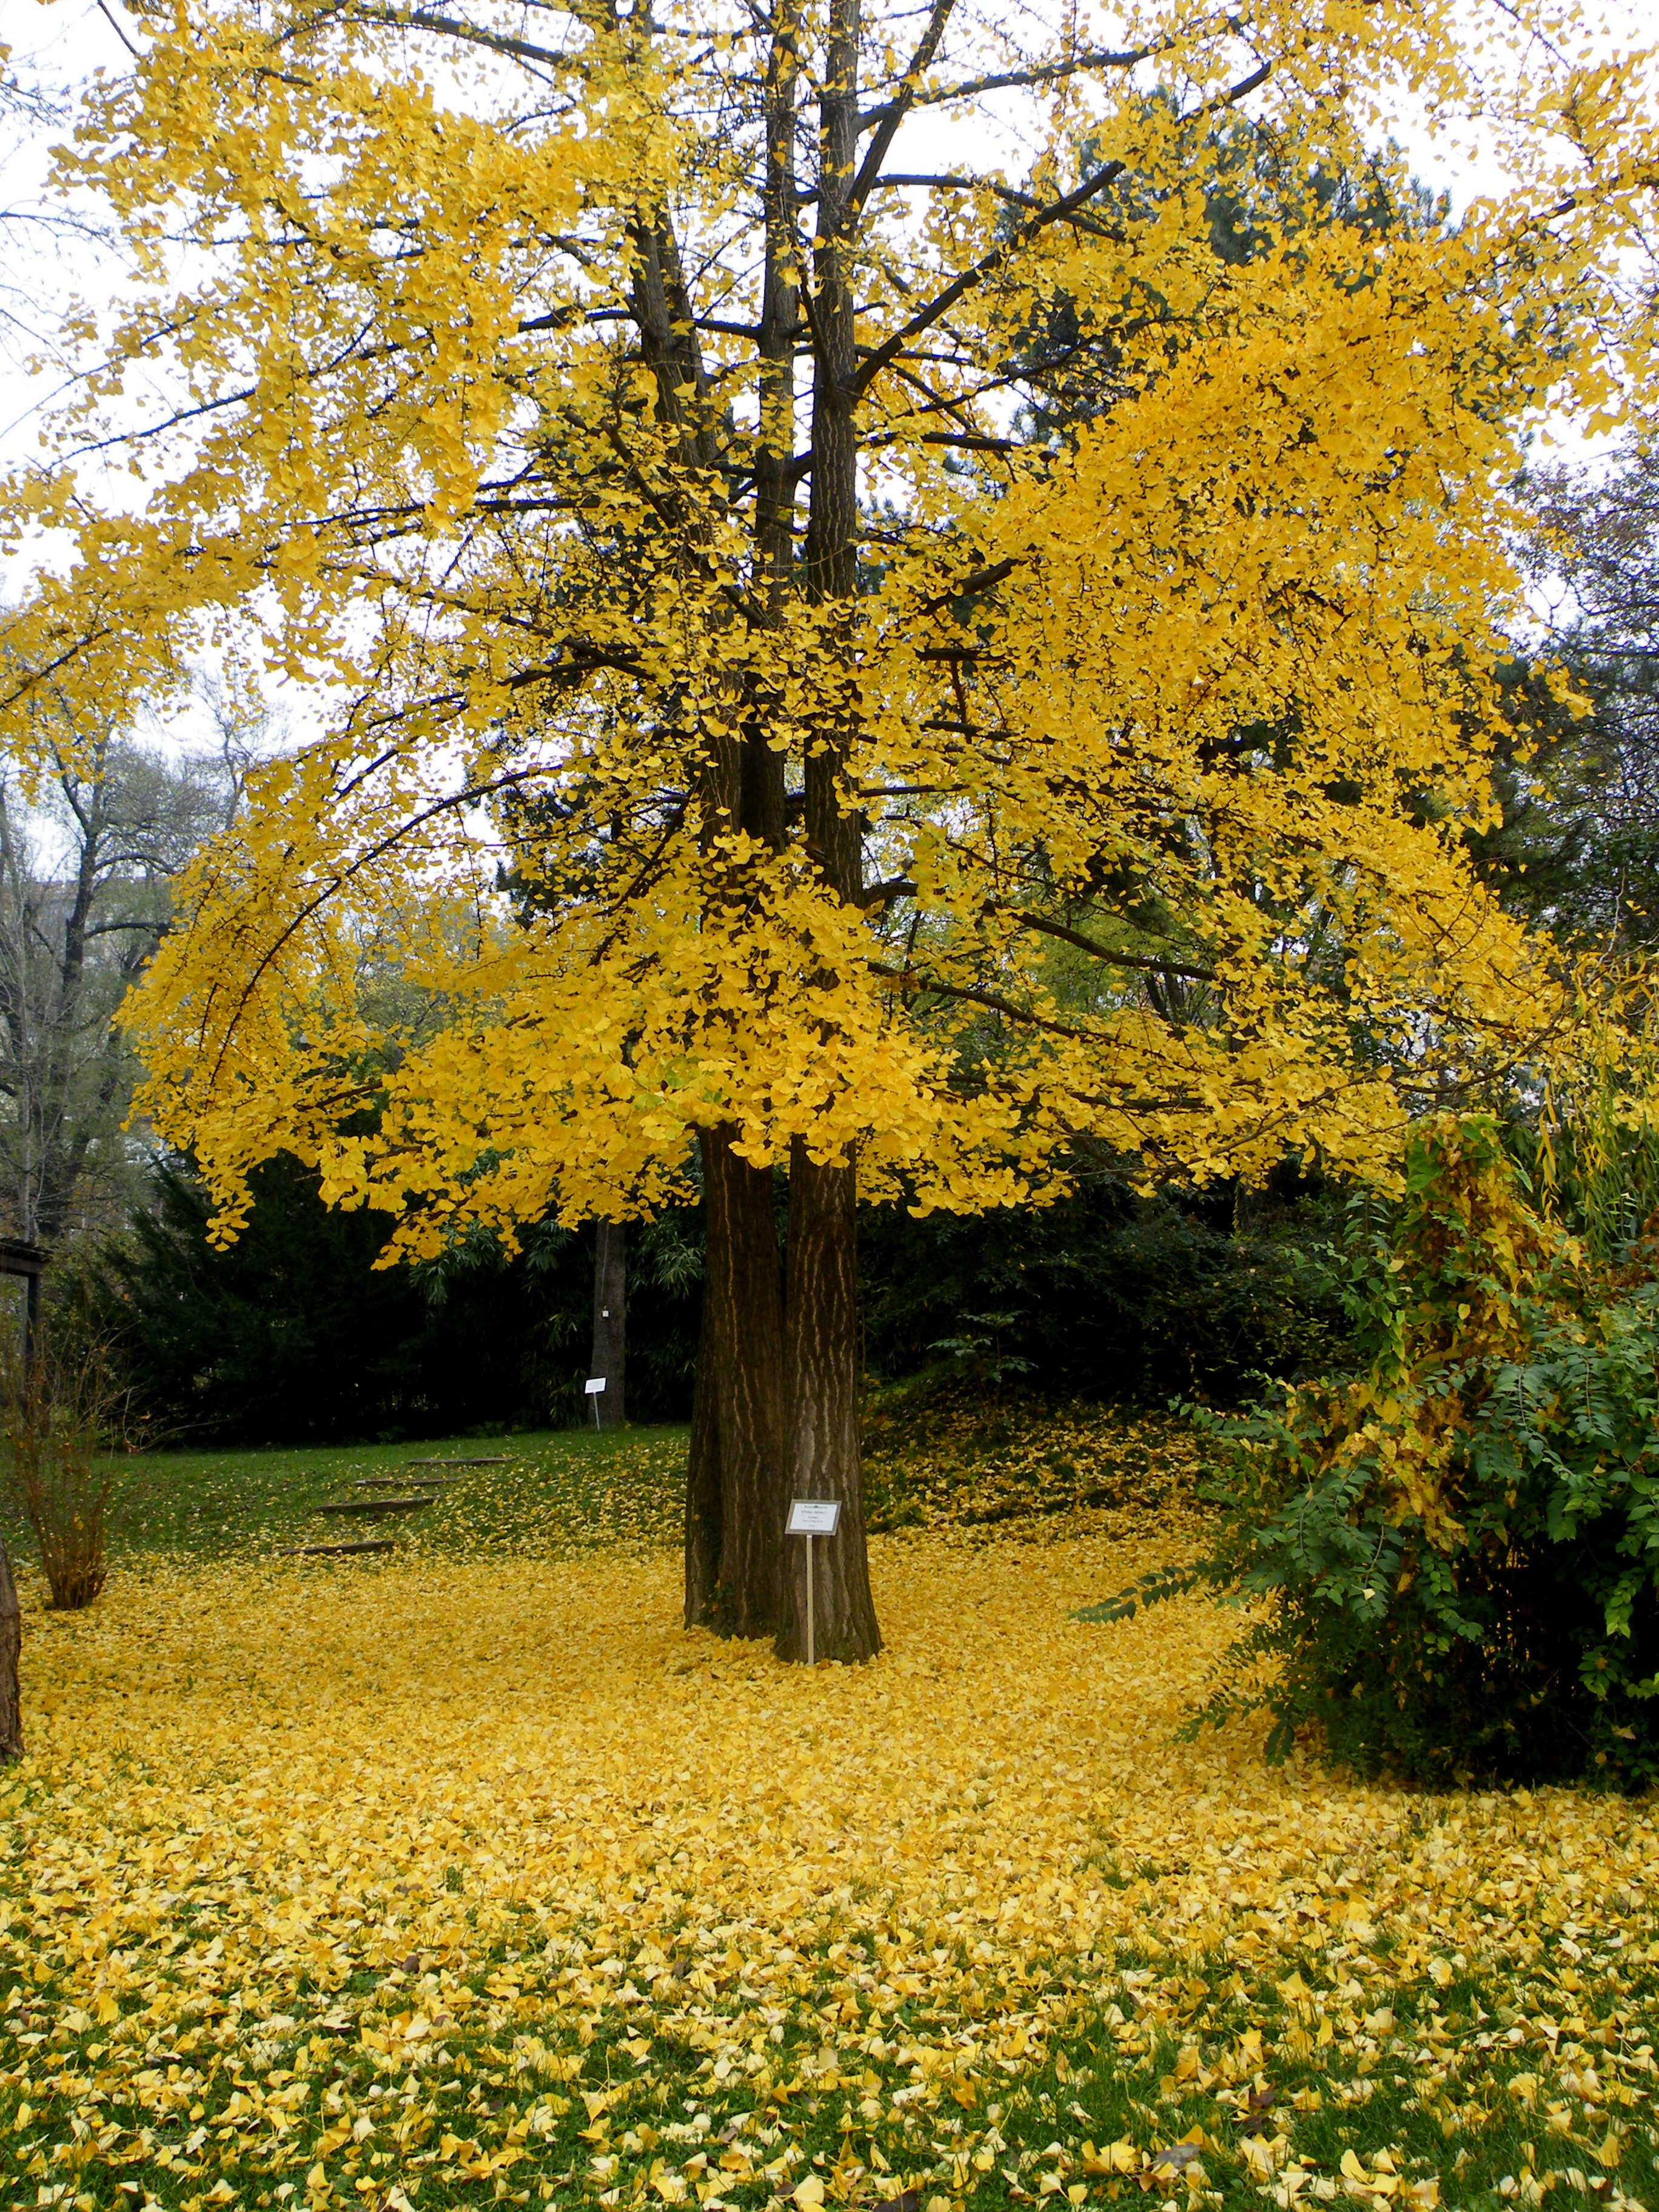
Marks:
<point>374,1504</point>
<point>337,1551</point>
<point>433,1482</point>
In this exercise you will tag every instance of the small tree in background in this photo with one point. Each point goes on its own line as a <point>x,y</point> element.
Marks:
<point>89,845</point>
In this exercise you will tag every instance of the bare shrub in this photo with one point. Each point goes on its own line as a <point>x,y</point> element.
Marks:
<point>62,1414</point>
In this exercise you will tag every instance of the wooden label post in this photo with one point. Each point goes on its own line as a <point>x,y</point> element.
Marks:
<point>810,1517</point>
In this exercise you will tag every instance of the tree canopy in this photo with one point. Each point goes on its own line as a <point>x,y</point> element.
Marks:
<point>753,724</point>
<point>486,413</point>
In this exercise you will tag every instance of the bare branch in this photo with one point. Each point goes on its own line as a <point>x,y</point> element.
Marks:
<point>978,579</point>
<point>909,979</point>
<point>890,119</point>
<point>1093,946</point>
<point>448,26</point>
<point>108,15</point>
<point>874,118</point>
<point>1010,193</point>
<point>1057,211</point>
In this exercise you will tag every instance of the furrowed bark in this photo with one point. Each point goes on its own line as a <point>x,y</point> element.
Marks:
<point>735,1469</point>
<point>832,522</point>
<point>735,1476</point>
<point>11,1645</point>
<point>740,1367</point>
<point>780,312</point>
<point>776,1413</point>
<point>820,1335</point>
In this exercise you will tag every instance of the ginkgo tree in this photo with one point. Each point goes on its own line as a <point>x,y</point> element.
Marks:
<point>755,728</point>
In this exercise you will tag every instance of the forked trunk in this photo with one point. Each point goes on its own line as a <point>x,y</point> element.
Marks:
<point>741,1362</point>
<point>11,1645</point>
<point>821,1368</point>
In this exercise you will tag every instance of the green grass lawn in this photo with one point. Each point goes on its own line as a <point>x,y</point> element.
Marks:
<point>930,1458</point>
<point>550,1492</point>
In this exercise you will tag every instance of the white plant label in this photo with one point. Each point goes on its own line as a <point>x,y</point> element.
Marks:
<point>814,1517</point>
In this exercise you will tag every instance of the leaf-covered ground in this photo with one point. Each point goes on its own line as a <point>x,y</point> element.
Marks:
<point>467,1876</point>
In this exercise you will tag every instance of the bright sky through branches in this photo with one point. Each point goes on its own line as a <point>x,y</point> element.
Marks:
<point>63,41</point>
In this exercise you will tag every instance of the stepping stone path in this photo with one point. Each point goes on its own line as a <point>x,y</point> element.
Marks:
<point>337,1551</point>
<point>430,1484</point>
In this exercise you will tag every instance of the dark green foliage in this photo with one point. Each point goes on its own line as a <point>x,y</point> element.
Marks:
<point>1577,850</point>
<point>292,1335</point>
<point>1107,1295</point>
<point>1260,193</point>
<point>1452,1558</point>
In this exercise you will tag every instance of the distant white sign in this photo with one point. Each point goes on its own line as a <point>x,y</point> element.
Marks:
<point>593,1385</point>
<point>814,1517</point>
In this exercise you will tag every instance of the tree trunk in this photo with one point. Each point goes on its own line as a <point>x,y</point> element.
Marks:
<point>822,1362</point>
<point>703,1491</point>
<point>610,1320</point>
<point>766,1425</point>
<point>11,1644</point>
<point>740,1375</point>
<point>821,1368</point>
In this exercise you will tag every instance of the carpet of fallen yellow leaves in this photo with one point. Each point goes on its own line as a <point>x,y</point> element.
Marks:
<point>428,1881</point>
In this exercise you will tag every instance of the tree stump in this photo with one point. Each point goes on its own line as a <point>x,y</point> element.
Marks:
<point>11,1645</point>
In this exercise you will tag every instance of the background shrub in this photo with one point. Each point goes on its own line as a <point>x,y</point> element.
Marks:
<point>1450,1557</point>
<point>294,1335</point>
<point>1110,1295</point>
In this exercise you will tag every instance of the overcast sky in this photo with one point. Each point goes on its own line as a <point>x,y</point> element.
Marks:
<point>39,266</point>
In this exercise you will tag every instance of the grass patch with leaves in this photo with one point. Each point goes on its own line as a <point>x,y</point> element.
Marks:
<point>552,1492</point>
